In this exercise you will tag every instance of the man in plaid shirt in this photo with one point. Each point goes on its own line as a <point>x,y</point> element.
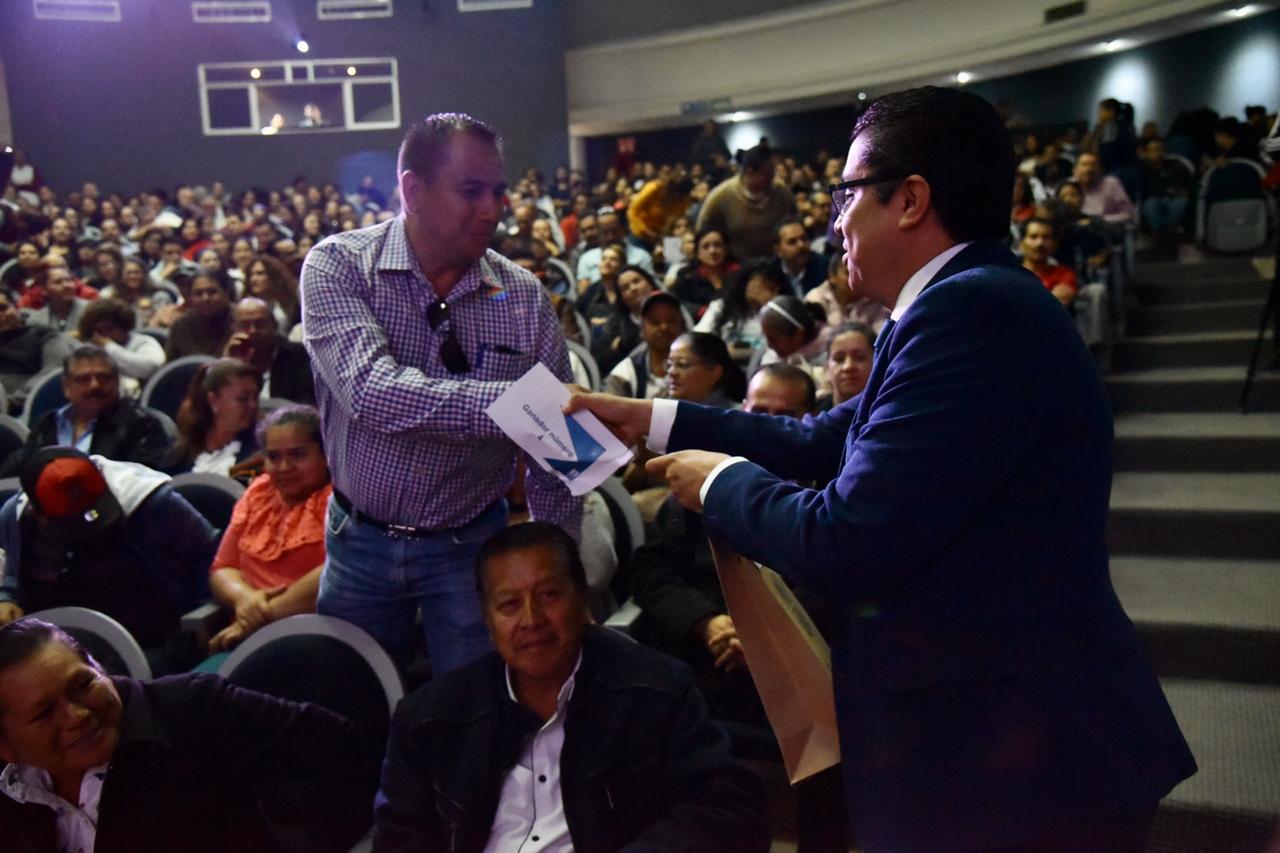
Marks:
<point>414,328</point>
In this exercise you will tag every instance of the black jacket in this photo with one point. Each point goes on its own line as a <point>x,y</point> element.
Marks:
<point>193,755</point>
<point>291,377</point>
<point>642,769</point>
<point>126,433</point>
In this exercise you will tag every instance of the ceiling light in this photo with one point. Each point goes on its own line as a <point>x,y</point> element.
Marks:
<point>739,116</point>
<point>1111,46</point>
<point>963,77</point>
<point>862,96</point>
<point>302,46</point>
<point>351,71</point>
<point>1242,11</point>
<point>255,73</point>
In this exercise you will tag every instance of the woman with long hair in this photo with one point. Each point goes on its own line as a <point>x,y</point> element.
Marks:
<point>703,278</point>
<point>271,281</point>
<point>216,421</point>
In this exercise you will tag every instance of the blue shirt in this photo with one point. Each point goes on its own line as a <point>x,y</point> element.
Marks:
<point>67,430</point>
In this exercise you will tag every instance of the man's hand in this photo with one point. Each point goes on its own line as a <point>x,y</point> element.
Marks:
<point>722,641</point>
<point>253,611</point>
<point>238,347</point>
<point>685,471</point>
<point>626,418</point>
<point>9,612</point>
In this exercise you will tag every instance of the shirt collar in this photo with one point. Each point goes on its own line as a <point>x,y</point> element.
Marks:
<point>566,689</point>
<point>923,276</point>
<point>33,786</point>
<point>397,254</point>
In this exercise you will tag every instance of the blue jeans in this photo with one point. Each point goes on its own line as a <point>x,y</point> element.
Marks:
<point>380,582</point>
<point>1164,212</point>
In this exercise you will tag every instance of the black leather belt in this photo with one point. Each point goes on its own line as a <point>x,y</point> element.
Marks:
<point>402,531</point>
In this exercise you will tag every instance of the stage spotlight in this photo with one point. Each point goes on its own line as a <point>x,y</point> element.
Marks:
<point>302,46</point>
<point>963,77</point>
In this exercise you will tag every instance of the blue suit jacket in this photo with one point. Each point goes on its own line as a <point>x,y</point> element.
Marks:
<point>989,687</point>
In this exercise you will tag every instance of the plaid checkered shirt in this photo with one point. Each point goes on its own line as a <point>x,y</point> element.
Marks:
<point>408,442</point>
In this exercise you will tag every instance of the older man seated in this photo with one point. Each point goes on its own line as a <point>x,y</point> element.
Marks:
<point>179,763</point>
<point>569,737</point>
<point>111,536</point>
<point>96,419</point>
<point>256,339</point>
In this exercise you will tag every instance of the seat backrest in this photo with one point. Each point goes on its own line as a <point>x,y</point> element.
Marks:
<point>167,387</point>
<point>213,495</point>
<point>45,396</point>
<point>1233,180</point>
<point>13,434</point>
<point>588,361</point>
<point>9,487</point>
<point>628,525</point>
<point>104,638</point>
<point>321,659</point>
<point>170,428</point>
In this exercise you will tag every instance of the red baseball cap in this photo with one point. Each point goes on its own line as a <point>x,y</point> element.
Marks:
<point>68,489</point>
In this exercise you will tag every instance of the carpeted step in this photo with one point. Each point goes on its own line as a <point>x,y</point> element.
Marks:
<point>1218,442</point>
<point>1192,389</point>
<point>1213,269</point>
<point>1154,292</point>
<point>1194,349</point>
<point>1233,315</point>
<point>1228,516</point>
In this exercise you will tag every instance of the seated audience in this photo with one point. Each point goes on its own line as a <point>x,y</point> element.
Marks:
<point>61,306</point>
<point>748,207</point>
<point>793,334</point>
<point>1166,192</point>
<point>96,419</point>
<point>1039,242</point>
<point>217,419</point>
<point>837,301</point>
<point>643,373</point>
<point>1024,199</point>
<point>106,763</point>
<point>559,699</point>
<point>206,327</point>
<point>700,370</point>
<point>271,281</point>
<point>804,269</point>
<point>108,264</point>
<point>1103,195</point>
<point>256,340</point>
<point>849,357</point>
<point>597,302</point>
<point>781,389</point>
<point>620,333</point>
<point>111,536</point>
<point>268,565</point>
<point>1085,245</point>
<point>735,316</point>
<point>108,323</point>
<point>611,233</point>
<point>25,274</point>
<point>703,278</point>
<point>26,351</point>
<point>137,290</point>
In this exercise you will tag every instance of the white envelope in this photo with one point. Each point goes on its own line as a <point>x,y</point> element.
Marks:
<point>578,449</point>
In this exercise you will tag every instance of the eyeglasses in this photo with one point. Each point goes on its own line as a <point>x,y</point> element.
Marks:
<point>451,354</point>
<point>840,195</point>
<point>682,364</point>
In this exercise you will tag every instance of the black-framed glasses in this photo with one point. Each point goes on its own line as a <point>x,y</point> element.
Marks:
<point>840,193</point>
<point>451,354</point>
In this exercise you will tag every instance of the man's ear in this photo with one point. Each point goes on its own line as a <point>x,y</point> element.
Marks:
<point>917,198</point>
<point>409,185</point>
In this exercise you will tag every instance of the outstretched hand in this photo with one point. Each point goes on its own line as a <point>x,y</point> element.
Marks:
<point>685,471</point>
<point>626,418</point>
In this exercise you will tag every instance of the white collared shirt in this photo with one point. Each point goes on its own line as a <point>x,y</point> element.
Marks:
<point>77,824</point>
<point>530,816</point>
<point>664,411</point>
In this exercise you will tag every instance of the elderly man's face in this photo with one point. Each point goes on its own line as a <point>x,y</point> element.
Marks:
<point>256,322</point>
<point>58,714</point>
<point>535,615</point>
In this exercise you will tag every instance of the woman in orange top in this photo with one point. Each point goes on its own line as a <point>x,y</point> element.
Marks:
<point>268,565</point>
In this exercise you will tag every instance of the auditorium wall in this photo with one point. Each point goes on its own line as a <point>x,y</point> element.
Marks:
<point>1222,67</point>
<point>119,102</point>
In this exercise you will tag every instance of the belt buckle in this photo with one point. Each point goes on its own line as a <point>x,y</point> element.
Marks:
<point>403,531</point>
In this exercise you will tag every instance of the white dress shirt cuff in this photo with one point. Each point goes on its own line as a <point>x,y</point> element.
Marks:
<point>660,424</point>
<point>711,478</point>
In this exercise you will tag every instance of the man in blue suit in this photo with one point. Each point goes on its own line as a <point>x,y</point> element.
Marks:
<point>991,692</point>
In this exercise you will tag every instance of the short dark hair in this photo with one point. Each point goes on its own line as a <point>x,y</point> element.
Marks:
<point>424,142</point>
<point>957,142</point>
<point>534,534</point>
<point>852,328</point>
<point>87,352</point>
<point>790,220</point>
<point>22,638</point>
<point>218,277</point>
<point>114,311</point>
<point>791,373</point>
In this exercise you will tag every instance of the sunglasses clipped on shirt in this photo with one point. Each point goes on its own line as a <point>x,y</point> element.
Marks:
<point>451,354</point>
